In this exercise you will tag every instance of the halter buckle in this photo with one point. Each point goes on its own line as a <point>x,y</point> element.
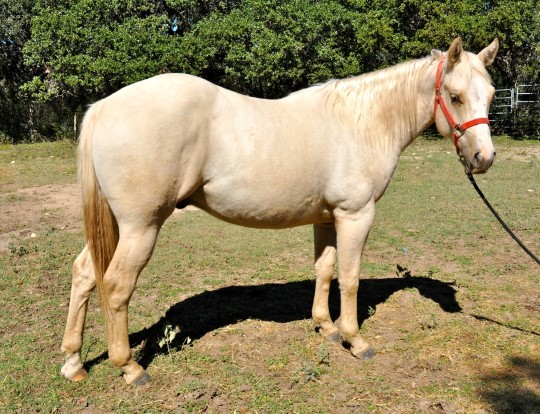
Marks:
<point>458,131</point>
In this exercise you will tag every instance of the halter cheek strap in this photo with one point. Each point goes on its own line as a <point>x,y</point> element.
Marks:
<point>458,129</point>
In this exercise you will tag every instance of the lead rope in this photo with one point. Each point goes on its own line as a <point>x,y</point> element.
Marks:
<point>484,199</point>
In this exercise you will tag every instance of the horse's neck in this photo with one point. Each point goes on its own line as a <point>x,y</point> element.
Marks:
<point>389,108</point>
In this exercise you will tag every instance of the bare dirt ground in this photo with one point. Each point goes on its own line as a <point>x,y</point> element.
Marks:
<point>31,210</point>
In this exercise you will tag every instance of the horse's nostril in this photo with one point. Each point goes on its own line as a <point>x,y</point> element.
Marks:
<point>478,157</point>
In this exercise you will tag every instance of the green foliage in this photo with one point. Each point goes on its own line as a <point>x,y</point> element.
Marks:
<point>271,47</point>
<point>56,56</point>
<point>91,48</point>
<point>14,32</point>
<point>268,48</point>
<point>432,23</point>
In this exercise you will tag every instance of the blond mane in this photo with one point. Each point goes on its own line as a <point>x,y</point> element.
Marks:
<point>378,107</point>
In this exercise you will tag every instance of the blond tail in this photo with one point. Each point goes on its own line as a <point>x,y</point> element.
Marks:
<point>100,226</point>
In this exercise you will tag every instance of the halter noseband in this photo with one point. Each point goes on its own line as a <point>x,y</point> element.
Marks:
<point>458,129</point>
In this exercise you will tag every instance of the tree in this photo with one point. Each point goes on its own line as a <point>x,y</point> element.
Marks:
<point>270,47</point>
<point>14,32</point>
<point>90,48</point>
<point>87,49</point>
<point>517,24</point>
<point>429,24</point>
<point>83,50</point>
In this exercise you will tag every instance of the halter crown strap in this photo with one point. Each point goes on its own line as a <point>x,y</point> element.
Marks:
<point>458,129</point>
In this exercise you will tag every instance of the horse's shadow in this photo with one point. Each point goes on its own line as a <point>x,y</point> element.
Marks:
<point>203,313</point>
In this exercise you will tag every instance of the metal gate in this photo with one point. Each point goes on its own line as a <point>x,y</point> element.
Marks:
<point>502,111</point>
<point>516,111</point>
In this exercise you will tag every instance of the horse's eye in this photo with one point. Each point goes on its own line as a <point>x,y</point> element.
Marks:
<point>455,99</point>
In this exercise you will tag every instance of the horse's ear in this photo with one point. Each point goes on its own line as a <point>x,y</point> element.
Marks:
<point>487,56</point>
<point>454,52</point>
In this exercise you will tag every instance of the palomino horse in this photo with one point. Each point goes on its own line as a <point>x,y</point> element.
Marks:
<point>321,156</point>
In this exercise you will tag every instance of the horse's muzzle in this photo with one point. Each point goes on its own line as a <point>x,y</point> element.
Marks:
<point>481,162</point>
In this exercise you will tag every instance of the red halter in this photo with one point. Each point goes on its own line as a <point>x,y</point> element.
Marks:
<point>459,129</point>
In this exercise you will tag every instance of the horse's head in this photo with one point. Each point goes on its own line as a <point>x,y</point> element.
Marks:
<point>462,99</point>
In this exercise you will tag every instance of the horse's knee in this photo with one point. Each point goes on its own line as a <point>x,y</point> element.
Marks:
<point>324,265</point>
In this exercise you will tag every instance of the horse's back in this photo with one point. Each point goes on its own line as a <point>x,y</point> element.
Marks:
<point>167,96</point>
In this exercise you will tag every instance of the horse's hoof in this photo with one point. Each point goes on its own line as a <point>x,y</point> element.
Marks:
<point>144,378</point>
<point>73,369</point>
<point>334,337</point>
<point>366,354</point>
<point>77,376</point>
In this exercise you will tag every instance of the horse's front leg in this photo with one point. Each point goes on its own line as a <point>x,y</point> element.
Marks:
<point>83,283</point>
<point>325,261</point>
<point>352,232</point>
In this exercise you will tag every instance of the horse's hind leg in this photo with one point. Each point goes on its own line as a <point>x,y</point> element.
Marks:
<point>134,249</point>
<point>83,283</point>
<point>325,260</point>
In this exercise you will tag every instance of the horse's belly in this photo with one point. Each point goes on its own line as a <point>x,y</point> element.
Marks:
<point>263,208</point>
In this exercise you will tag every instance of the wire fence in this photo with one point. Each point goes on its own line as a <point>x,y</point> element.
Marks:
<point>516,111</point>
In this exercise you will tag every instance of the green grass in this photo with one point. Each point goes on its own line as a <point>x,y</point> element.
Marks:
<point>255,350</point>
<point>37,164</point>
